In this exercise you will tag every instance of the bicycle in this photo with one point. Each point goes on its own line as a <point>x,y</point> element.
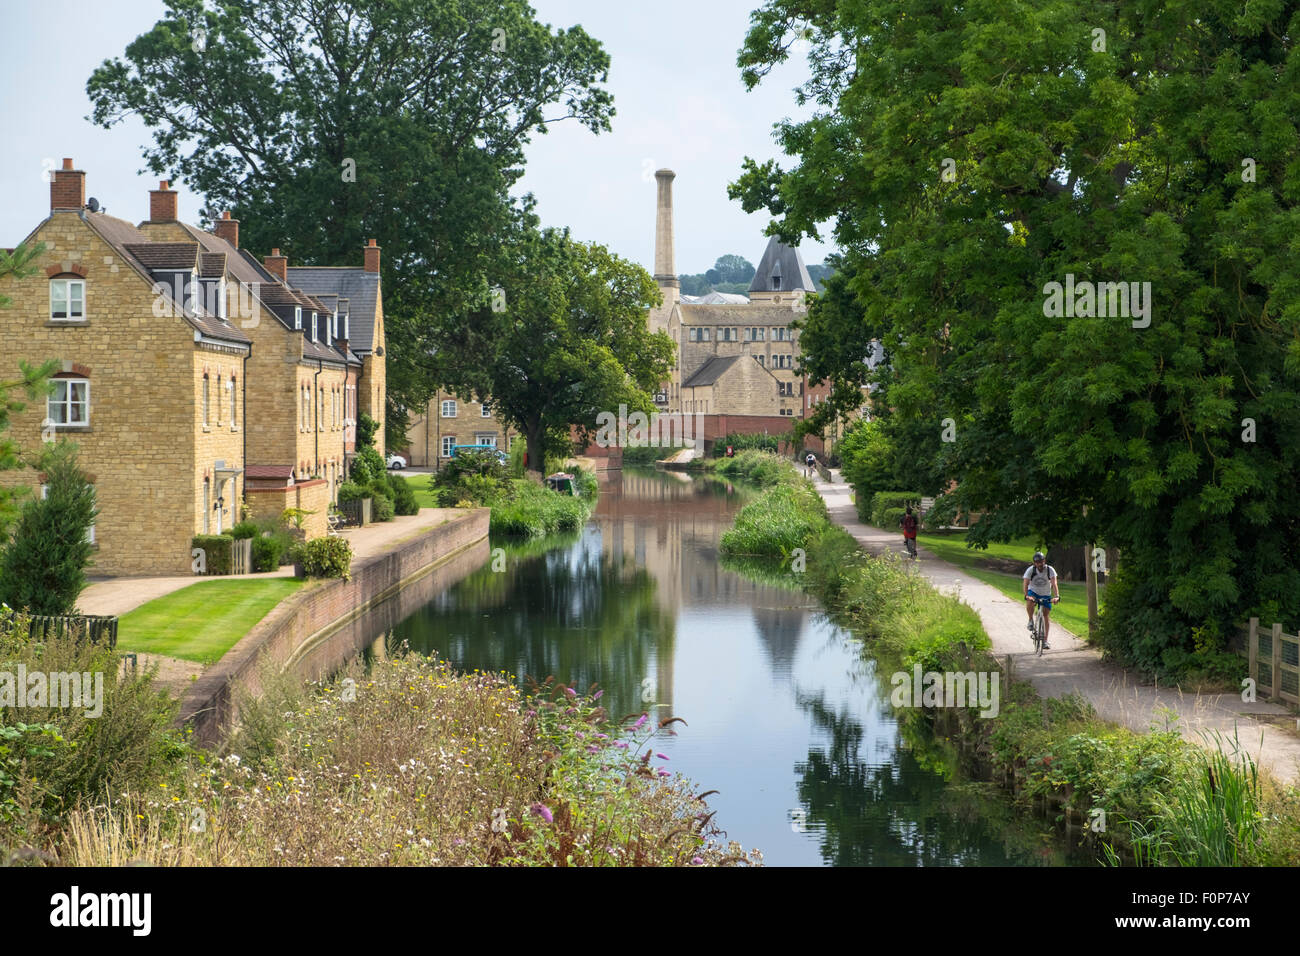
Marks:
<point>1040,628</point>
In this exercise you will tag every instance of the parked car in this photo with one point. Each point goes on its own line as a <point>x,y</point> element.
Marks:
<point>396,461</point>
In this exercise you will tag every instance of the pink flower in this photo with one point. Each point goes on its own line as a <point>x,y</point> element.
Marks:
<point>570,691</point>
<point>644,718</point>
<point>662,756</point>
<point>596,696</point>
<point>541,810</point>
<point>591,749</point>
<point>697,861</point>
<point>621,745</point>
<point>603,736</point>
<point>664,773</point>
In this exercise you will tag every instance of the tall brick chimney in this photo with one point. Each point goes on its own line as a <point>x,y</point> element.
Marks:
<point>372,256</point>
<point>227,229</point>
<point>67,188</point>
<point>277,265</point>
<point>162,203</point>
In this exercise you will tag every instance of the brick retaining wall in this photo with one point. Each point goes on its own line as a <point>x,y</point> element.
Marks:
<point>308,633</point>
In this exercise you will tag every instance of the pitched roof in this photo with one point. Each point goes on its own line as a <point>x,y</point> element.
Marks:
<point>711,371</point>
<point>146,257</point>
<point>359,287</point>
<point>212,265</point>
<point>780,260</point>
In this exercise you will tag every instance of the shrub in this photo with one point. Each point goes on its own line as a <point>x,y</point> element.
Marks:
<point>882,501</point>
<point>44,567</point>
<point>216,550</point>
<point>350,491</point>
<point>368,466</point>
<point>327,557</point>
<point>366,428</point>
<point>760,467</point>
<point>531,510</point>
<point>893,518</point>
<point>404,500</point>
<point>279,531</point>
<point>739,443</point>
<point>943,514</point>
<point>776,522</point>
<point>245,529</point>
<point>383,508</point>
<point>267,552</point>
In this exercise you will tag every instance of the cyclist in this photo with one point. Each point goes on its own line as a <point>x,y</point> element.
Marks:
<point>908,524</point>
<point>1040,587</point>
<point>810,461</point>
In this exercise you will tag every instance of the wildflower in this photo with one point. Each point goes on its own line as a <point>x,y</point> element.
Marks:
<point>642,720</point>
<point>664,773</point>
<point>570,691</point>
<point>596,696</point>
<point>697,861</point>
<point>662,756</point>
<point>541,810</point>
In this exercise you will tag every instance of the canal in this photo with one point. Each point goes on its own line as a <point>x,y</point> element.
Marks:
<point>785,716</point>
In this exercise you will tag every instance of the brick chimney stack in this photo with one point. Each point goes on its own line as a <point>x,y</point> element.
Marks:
<point>227,229</point>
<point>277,265</point>
<point>67,188</point>
<point>371,250</point>
<point>162,203</point>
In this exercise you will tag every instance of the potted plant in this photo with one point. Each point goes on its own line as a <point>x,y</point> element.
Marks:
<point>296,517</point>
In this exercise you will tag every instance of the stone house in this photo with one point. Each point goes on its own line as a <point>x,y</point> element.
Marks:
<point>448,421</point>
<point>150,382</point>
<point>193,376</point>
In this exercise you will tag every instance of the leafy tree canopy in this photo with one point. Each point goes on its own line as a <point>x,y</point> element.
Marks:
<point>971,156</point>
<point>322,125</point>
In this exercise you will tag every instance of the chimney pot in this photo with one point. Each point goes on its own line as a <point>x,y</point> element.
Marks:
<point>371,251</point>
<point>277,265</point>
<point>67,163</point>
<point>227,229</point>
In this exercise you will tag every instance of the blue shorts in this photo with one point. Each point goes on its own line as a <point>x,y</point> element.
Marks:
<point>1044,599</point>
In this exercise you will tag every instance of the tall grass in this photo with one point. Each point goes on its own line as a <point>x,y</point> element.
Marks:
<point>759,467</point>
<point>532,511</point>
<point>779,520</point>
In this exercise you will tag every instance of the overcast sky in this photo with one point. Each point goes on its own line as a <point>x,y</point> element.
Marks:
<point>677,92</point>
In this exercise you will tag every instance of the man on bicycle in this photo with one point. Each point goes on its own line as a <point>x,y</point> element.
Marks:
<point>1040,587</point>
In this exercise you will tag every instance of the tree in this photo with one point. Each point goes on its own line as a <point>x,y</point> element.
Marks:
<point>974,156</point>
<point>571,341</point>
<point>322,125</point>
<point>733,268</point>
<point>31,381</point>
<point>43,569</point>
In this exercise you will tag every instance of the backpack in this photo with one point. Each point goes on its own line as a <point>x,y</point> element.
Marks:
<point>909,523</point>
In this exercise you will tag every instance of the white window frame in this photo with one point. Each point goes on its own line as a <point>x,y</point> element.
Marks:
<point>297,317</point>
<point>448,403</point>
<point>314,337</point>
<point>487,439</point>
<point>781,334</point>
<point>754,333</point>
<point>728,334</point>
<point>230,387</point>
<point>67,285</point>
<point>448,442</point>
<point>485,410</point>
<point>67,404</point>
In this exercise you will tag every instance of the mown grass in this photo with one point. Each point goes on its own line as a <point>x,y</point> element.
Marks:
<point>413,764</point>
<point>203,621</point>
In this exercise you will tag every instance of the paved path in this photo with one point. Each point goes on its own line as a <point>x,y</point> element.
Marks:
<point>1071,665</point>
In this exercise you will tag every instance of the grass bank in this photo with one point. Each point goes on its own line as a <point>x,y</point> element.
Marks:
<point>411,764</point>
<point>520,508</point>
<point>1150,798</point>
<point>203,621</point>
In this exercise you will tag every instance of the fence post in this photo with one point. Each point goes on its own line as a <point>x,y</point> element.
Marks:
<point>1276,689</point>
<point>1252,652</point>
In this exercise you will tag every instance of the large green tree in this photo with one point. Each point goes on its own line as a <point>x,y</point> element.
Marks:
<point>969,157</point>
<point>563,338</point>
<point>324,124</point>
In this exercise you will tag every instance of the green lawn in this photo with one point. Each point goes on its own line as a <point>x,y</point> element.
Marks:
<point>1072,612</point>
<point>203,621</point>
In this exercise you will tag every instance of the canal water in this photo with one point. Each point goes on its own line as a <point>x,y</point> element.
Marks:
<point>785,716</point>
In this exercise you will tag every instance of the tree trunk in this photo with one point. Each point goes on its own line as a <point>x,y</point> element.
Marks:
<point>536,467</point>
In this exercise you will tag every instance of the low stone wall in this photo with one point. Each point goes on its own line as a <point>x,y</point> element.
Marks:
<point>299,635</point>
<point>312,495</point>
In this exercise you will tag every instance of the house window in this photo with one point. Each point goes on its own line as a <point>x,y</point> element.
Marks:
<point>486,439</point>
<point>449,408</point>
<point>218,399</point>
<point>68,299</point>
<point>781,334</point>
<point>320,410</point>
<point>90,532</point>
<point>762,360</point>
<point>297,317</point>
<point>207,398</point>
<point>783,361</point>
<point>306,413</point>
<point>70,403</point>
<point>754,335</point>
<point>221,300</point>
<point>207,505</point>
<point>485,410</point>
<point>448,443</point>
<point>230,386</point>
<point>313,328</point>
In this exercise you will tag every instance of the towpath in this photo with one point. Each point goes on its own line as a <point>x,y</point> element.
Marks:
<point>1070,664</point>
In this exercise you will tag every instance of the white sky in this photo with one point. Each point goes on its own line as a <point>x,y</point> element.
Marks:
<point>677,94</point>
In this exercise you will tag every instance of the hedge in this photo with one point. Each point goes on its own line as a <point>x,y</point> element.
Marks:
<point>882,501</point>
<point>216,550</point>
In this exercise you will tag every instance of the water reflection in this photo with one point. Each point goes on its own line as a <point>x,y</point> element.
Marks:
<point>784,715</point>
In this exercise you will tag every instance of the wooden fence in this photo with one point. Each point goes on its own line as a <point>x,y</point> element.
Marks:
<point>356,513</point>
<point>1274,662</point>
<point>98,629</point>
<point>241,556</point>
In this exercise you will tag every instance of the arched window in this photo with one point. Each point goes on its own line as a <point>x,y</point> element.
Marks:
<point>207,399</point>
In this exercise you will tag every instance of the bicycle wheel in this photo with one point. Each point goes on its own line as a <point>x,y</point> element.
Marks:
<point>1040,631</point>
